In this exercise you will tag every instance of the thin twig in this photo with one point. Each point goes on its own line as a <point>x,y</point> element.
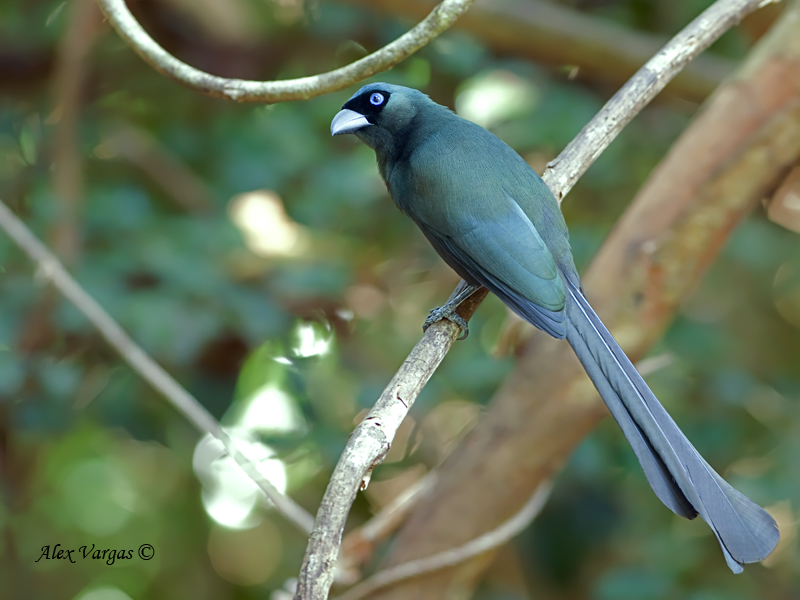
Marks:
<point>455,556</point>
<point>51,269</point>
<point>369,444</point>
<point>555,34</point>
<point>562,173</point>
<point>441,18</point>
<point>359,544</point>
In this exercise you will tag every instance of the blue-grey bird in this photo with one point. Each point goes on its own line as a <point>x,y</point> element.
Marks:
<point>497,224</point>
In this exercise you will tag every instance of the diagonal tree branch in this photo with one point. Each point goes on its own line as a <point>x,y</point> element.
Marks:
<point>368,446</point>
<point>51,269</point>
<point>371,440</point>
<point>239,90</point>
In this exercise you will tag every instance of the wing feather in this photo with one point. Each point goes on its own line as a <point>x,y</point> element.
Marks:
<point>508,256</point>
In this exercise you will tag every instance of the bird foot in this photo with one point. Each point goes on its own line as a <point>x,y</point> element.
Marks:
<point>448,311</point>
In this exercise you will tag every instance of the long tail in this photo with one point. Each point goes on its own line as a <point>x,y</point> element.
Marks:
<point>677,473</point>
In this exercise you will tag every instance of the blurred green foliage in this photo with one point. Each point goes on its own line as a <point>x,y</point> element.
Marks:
<point>89,454</point>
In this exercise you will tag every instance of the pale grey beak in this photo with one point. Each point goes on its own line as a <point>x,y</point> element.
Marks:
<point>348,121</point>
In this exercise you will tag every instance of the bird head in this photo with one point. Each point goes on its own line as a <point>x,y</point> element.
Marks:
<point>381,113</point>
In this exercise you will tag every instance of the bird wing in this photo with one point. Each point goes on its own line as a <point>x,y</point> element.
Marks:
<point>506,254</point>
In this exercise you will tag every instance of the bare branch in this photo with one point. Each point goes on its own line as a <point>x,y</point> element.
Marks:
<point>455,556</point>
<point>359,544</point>
<point>578,156</point>
<point>239,90</point>
<point>368,444</point>
<point>555,34</point>
<point>51,269</point>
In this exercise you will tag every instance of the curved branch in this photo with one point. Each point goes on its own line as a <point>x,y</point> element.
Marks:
<point>239,90</point>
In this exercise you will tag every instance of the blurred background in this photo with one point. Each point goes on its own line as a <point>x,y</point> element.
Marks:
<point>262,263</point>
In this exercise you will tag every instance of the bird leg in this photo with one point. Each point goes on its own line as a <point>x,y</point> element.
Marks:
<point>448,310</point>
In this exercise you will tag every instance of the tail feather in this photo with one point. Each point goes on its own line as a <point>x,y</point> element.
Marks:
<point>679,476</point>
<point>654,468</point>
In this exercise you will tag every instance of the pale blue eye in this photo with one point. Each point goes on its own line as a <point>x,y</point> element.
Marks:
<point>376,99</point>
